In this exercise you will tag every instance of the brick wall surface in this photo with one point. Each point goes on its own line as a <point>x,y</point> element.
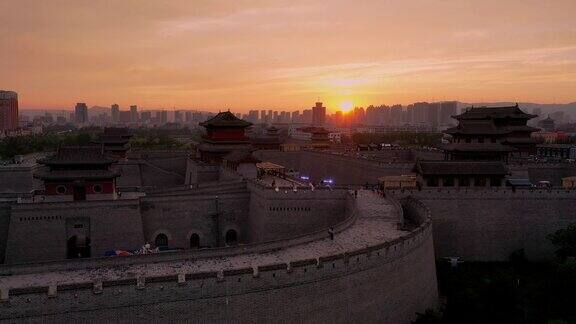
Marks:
<point>490,224</point>
<point>386,283</point>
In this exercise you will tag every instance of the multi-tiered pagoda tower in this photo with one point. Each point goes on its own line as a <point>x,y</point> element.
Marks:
<point>79,173</point>
<point>116,141</point>
<point>491,133</point>
<point>225,133</point>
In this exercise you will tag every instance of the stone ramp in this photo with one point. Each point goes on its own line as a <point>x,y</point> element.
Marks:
<point>376,222</point>
<point>372,205</point>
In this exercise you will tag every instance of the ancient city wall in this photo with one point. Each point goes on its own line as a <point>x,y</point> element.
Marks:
<point>39,231</point>
<point>344,170</point>
<point>4,227</point>
<point>209,216</point>
<point>489,224</point>
<point>202,253</point>
<point>19,179</point>
<point>197,172</point>
<point>349,170</point>
<point>387,283</point>
<point>285,213</point>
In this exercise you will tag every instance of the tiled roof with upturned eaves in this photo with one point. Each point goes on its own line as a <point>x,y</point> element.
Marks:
<point>225,119</point>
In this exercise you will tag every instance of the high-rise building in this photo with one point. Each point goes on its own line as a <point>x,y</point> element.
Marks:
<point>125,117</point>
<point>284,117</point>
<point>447,110</point>
<point>48,118</point>
<point>432,114</point>
<point>307,116</point>
<point>163,117</point>
<point>419,112</point>
<point>263,116</point>
<point>372,116</point>
<point>8,110</point>
<point>178,116</point>
<point>558,116</point>
<point>188,116</point>
<point>338,118</point>
<point>270,117</point>
<point>146,116</point>
<point>408,115</point>
<point>396,115</point>
<point>253,116</point>
<point>296,116</point>
<point>359,115</point>
<point>134,114</point>
<point>115,113</point>
<point>318,114</point>
<point>81,113</point>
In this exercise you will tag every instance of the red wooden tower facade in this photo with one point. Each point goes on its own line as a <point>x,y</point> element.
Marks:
<point>224,133</point>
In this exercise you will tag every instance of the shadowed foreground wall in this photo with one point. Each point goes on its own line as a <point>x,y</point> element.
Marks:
<point>490,224</point>
<point>279,215</point>
<point>38,232</point>
<point>385,283</point>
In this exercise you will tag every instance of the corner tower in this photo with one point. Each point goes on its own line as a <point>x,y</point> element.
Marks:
<point>79,173</point>
<point>491,133</point>
<point>224,133</point>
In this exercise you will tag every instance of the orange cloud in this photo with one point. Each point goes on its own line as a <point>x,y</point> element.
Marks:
<point>284,54</point>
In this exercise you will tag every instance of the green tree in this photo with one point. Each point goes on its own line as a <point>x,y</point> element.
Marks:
<point>565,241</point>
<point>429,317</point>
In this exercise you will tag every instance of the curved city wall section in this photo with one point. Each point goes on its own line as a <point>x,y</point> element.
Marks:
<point>387,276</point>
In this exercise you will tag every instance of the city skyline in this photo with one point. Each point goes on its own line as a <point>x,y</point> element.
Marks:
<point>250,54</point>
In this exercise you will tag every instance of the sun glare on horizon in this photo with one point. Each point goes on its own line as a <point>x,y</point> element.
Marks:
<point>346,106</point>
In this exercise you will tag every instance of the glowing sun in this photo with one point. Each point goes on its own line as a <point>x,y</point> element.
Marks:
<point>346,105</point>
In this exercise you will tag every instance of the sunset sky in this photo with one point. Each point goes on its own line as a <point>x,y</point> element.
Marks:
<point>286,54</point>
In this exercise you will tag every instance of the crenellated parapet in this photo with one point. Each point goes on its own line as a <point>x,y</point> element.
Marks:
<point>491,223</point>
<point>386,266</point>
<point>485,193</point>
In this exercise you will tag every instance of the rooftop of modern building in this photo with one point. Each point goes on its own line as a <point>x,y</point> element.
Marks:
<point>225,119</point>
<point>6,94</point>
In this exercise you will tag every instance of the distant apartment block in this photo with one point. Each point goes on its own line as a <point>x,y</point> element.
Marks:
<point>318,114</point>
<point>115,113</point>
<point>8,110</point>
<point>81,113</point>
<point>134,114</point>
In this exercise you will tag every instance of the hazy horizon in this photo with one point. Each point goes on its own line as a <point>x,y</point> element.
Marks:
<point>285,54</point>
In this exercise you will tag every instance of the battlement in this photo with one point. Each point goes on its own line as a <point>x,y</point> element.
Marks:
<point>217,252</point>
<point>485,193</point>
<point>20,301</point>
<point>90,204</point>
